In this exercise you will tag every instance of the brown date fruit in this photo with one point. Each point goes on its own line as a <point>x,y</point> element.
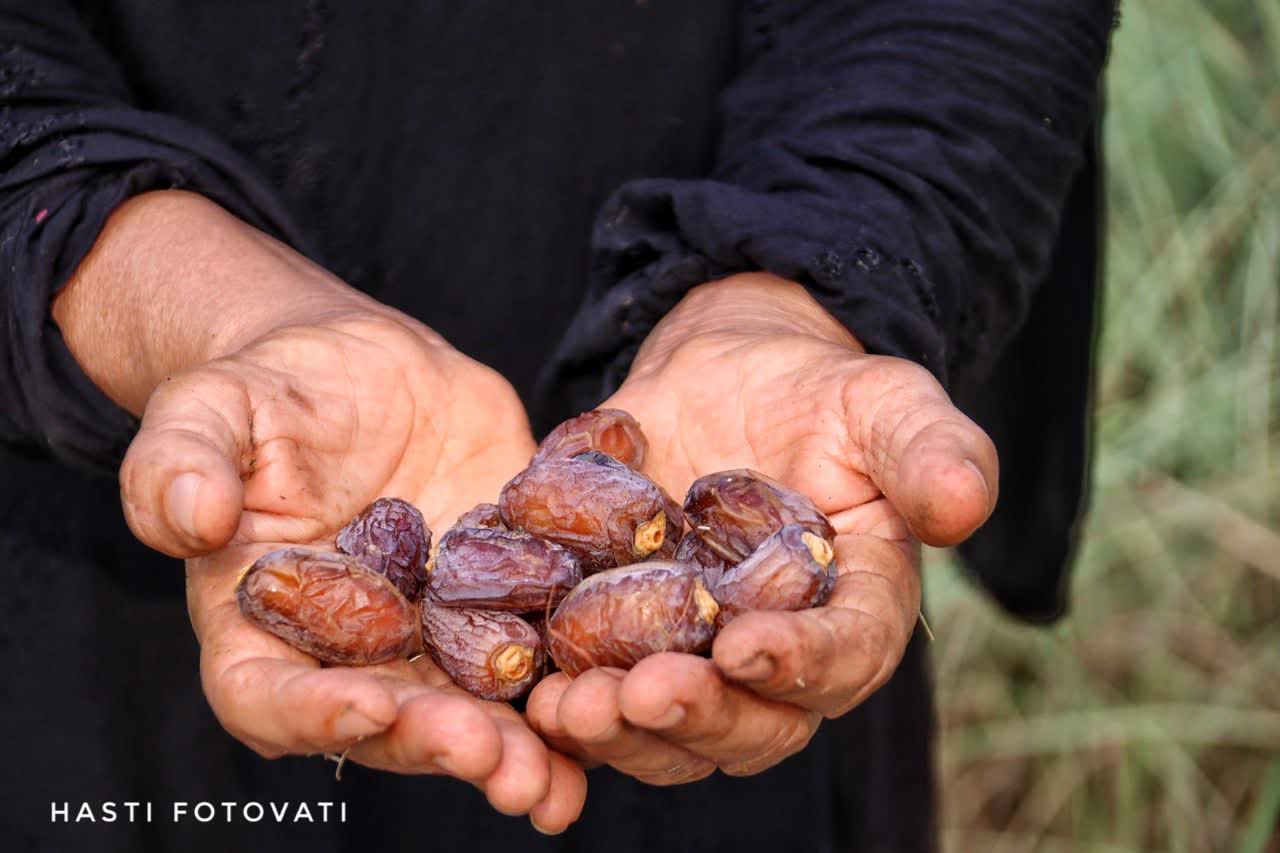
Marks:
<point>539,623</point>
<point>329,606</point>
<point>734,511</point>
<point>791,570</point>
<point>675,513</point>
<point>480,515</point>
<point>391,538</point>
<point>606,513</point>
<point>610,431</point>
<point>501,570</point>
<point>694,551</point>
<point>488,653</point>
<point>619,616</point>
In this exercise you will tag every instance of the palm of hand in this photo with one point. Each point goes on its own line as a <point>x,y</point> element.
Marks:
<point>779,405</point>
<point>299,432</point>
<point>878,446</point>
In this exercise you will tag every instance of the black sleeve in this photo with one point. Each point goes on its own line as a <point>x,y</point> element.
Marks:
<point>906,160</point>
<point>72,147</point>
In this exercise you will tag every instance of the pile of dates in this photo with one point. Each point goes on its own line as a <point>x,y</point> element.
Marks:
<point>584,561</point>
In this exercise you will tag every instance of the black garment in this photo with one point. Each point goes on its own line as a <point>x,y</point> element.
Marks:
<point>908,160</point>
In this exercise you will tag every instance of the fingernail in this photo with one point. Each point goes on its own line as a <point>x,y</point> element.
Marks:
<point>180,502</point>
<point>672,717</point>
<point>982,478</point>
<point>759,667</point>
<point>353,724</point>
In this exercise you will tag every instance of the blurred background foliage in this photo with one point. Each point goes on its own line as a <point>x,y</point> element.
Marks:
<point>1149,720</point>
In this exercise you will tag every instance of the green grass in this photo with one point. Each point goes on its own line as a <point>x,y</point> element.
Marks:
<point>1150,719</point>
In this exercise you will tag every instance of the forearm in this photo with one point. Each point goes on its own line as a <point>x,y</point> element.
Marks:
<point>174,280</point>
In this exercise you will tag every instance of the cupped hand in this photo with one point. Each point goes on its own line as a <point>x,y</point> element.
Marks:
<point>751,372</point>
<point>282,442</point>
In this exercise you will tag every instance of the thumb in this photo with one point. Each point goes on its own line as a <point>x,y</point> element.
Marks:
<point>935,465</point>
<point>180,481</point>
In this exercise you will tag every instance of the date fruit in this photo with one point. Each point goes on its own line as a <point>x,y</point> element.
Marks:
<point>606,513</point>
<point>328,605</point>
<point>694,551</point>
<point>610,431</point>
<point>480,515</point>
<point>791,570</point>
<point>501,570</point>
<point>619,616</point>
<point>390,537</point>
<point>488,653</point>
<point>734,511</point>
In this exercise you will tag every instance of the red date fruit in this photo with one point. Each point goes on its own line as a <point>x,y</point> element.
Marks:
<point>610,431</point>
<point>734,511</point>
<point>791,570</point>
<point>390,537</point>
<point>480,515</point>
<point>607,514</point>
<point>328,605</point>
<point>619,616</point>
<point>501,570</point>
<point>694,551</point>
<point>488,653</point>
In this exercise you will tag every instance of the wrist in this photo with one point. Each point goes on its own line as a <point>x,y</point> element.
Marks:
<point>745,306</point>
<point>174,280</point>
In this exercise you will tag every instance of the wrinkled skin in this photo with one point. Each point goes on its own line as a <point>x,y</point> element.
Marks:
<point>390,537</point>
<point>490,654</point>
<point>750,372</point>
<point>734,511</point>
<point>501,570</point>
<point>597,511</point>
<point>481,515</point>
<point>289,437</point>
<point>695,551</point>
<point>609,431</point>
<point>620,616</point>
<point>783,573</point>
<point>329,606</point>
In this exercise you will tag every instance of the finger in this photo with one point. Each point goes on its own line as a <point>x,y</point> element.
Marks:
<point>563,805</point>
<point>542,712</point>
<point>590,715</point>
<point>830,658</point>
<point>685,700</point>
<point>522,778</point>
<point>436,732</point>
<point>263,691</point>
<point>180,480</point>
<point>937,467</point>
<point>281,707</point>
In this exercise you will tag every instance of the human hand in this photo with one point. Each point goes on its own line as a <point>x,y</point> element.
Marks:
<point>751,372</point>
<point>292,401</point>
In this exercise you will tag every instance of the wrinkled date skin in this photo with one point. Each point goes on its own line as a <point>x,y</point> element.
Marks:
<point>539,623</point>
<point>607,514</point>
<point>488,653</point>
<point>391,538</point>
<point>329,606</point>
<point>734,511</point>
<point>501,570</point>
<point>610,431</point>
<point>480,515</point>
<point>791,570</point>
<point>674,511</point>
<point>620,616</point>
<point>698,553</point>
